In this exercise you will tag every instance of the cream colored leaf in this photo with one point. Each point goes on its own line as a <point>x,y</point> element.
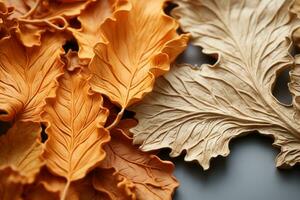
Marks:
<point>91,20</point>
<point>139,46</point>
<point>294,86</point>
<point>36,16</point>
<point>296,9</point>
<point>21,149</point>
<point>75,122</point>
<point>152,177</point>
<point>28,76</point>
<point>201,110</point>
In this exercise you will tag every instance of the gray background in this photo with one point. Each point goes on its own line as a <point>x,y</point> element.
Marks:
<point>248,173</point>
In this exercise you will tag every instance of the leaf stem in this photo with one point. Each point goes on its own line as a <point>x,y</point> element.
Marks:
<point>65,191</point>
<point>117,119</point>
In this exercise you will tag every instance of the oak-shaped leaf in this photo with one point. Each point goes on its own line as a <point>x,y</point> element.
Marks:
<point>35,17</point>
<point>146,175</point>
<point>201,110</point>
<point>138,46</point>
<point>91,20</point>
<point>28,76</point>
<point>74,120</point>
<point>21,149</point>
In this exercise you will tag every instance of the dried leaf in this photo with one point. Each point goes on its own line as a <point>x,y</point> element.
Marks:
<point>152,177</point>
<point>28,76</point>
<point>11,184</point>
<point>75,122</point>
<point>21,149</point>
<point>114,185</point>
<point>84,190</point>
<point>296,9</point>
<point>72,61</point>
<point>38,191</point>
<point>6,25</point>
<point>294,86</point>
<point>36,16</point>
<point>139,45</point>
<point>201,110</point>
<point>91,20</point>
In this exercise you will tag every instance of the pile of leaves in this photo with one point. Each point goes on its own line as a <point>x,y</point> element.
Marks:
<point>71,70</point>
<point>58,59</point>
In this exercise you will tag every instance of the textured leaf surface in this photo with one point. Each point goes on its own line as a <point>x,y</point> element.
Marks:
<point>113,185</point>
<point>75,122</point>
<point>21,149</point>
<point>35,17</point>
<point>91,20</point>
<point>28,76</point>
<point>201,110</point>
<point>139,45</point>
<point>11,184</point>
<point>294,86</point>
<point>152,177</point>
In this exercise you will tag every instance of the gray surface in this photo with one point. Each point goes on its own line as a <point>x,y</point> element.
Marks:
<point>248,173</point>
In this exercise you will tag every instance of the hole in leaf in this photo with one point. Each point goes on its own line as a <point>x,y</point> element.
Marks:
<point>71,45</point>
<point>169,7</point>
<point>4,126</point>
<point>281,90</point>
<point>194,55</point>
<point>44,136</point>
<point>75,23</point>
<point>128,114</point>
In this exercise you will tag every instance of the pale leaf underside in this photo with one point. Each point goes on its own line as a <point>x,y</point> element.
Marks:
<point>201,110</point>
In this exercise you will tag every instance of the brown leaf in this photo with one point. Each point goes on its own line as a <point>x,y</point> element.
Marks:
<point>38,191</point>
<point>91,20</point>
<point>201,110</point>
<point>114,185</point>
<point>152,177</point>
<point>75,122</point>
<point>28,76</point>
<point>21,149</point>
<point>11,184</point>
<point>36,16</point>
<point>139,46</point>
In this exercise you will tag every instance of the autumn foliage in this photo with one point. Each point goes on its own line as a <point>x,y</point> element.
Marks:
<point>65,139</point>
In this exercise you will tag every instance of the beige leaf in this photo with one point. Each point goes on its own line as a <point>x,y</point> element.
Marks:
<point>201,110</point>
<point>294,86</point>
<point>91,20</point>
<point>28,76</point>
<point>75,122</point>
<point>21,149</point>
<point>139,45</point>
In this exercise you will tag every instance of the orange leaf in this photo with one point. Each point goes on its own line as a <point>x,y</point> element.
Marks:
<point>21,149</point>
<point>36,16</point>
<point>139,46</point>
<point>28,76</point>
<point>114,185</point>
<point>11,184</point>
<point>152,177</point>
<point>75,122</point>
<point>91,20</point>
